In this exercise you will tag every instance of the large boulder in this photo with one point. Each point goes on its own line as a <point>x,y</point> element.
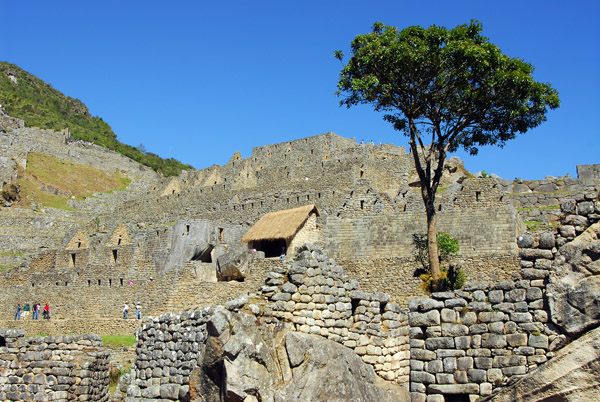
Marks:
<point>245,361</point>
<point>574,284</point>
<point>233,265</point>
<point>572,375</point>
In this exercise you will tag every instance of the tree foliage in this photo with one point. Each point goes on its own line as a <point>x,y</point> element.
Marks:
<point>445,90</point>
<point>40,105</point>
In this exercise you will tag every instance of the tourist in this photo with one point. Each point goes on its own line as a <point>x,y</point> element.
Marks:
<point>18,312</point>
<point>125,310</point>
<point>35,313</point>
<point>138,311</point>
<point>46,312</point>
<point>26,309</point>
<point>282,256</point>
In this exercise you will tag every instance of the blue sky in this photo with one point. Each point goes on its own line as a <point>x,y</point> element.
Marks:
<point>197,80</point>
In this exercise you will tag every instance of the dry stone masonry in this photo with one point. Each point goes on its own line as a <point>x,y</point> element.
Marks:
<point>61,368</point>
<point>315,296</point>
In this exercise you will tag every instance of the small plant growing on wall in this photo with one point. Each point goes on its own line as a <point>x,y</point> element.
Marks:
<point>452,277</point>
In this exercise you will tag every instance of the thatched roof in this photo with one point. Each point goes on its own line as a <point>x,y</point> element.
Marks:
<point>279,225</point>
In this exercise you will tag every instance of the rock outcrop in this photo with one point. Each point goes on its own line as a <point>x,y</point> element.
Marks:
<point>574,287</point>
<point>246,361</point>
<point>572,375</point>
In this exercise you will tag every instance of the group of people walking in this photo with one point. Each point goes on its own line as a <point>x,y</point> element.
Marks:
<point>35,311</point>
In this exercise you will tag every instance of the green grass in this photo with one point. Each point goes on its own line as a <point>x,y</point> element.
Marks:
<point>70,179</point>
<point>12,254</point>
<point>115,341</point>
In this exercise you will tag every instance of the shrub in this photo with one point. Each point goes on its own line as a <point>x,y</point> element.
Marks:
<point>452,277</point>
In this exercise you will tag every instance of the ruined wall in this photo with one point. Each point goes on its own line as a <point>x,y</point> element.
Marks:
<point>473,341</point>
<point>66,368</point>
<point>315,295</point>
<point>538,201</point>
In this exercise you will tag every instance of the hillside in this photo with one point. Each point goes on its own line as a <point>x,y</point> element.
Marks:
<point>27,97</point>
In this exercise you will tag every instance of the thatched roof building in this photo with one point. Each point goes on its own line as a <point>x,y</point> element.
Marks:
<point>281,229</point>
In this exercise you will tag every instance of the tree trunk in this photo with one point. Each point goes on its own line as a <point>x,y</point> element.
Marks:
<point>432,246</point>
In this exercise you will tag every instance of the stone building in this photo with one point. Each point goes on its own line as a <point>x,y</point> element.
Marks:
<point>282,232</point>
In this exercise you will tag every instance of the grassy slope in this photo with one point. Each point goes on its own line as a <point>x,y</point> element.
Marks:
<point>40,105</point>
<point>68,179</point>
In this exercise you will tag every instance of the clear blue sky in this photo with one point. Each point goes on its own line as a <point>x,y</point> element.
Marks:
<point>199,80</point>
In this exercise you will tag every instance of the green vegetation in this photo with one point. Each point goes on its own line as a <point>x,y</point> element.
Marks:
<point>114,374</point>
<point>449,85</point>
<point>40,105</point>
<point>115,341</point>
<point>51,182</point>
<point>451,277</point>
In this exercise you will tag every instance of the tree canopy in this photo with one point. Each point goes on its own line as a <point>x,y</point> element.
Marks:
<point>445,90</point>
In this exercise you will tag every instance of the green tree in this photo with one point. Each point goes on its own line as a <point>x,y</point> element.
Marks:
<point>452,87</point>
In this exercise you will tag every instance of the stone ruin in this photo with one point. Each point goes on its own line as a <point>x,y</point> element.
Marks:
<point>176,246</point>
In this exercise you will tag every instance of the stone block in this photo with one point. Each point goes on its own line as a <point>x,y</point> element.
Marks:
<point>496,296</point>
<point>534,274</point>
<point>477,375</point>
<point>448,315</point>
<point>478,329</point>
<point>534,253</point>
<point>456,302</point>
<point>425,304</point>
<point>516,339</point>
<point>444,378</point>
<point>496,328</point>
<point>509,361</point>
<point>534,293</point>
<point>515,370</point>
<point>420,354</point>
<point>434,366</point>
<point>462,342</point>
<point>435,398</point>
<point>465,363</point>
<point>496,341</point>
<point>461,376</point>
<point>422,377</point>
<point>538,341</point>
<point>468,317</point>
<point>453,389</point>
<point>442,353</point>
<point>449,329</point>
<point>450,364</point>
<point>483,362</point>
<point>521,317</point>
<point>431,317</point>
<point>491,316</point>
<point>439,343</point>
<point>494,375</point>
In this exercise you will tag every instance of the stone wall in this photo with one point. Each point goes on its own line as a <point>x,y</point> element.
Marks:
<point>73,325</point>
<point>62,368</point>
<point>315,295</point>
<point>474,341</point>
<point>538,201</point>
